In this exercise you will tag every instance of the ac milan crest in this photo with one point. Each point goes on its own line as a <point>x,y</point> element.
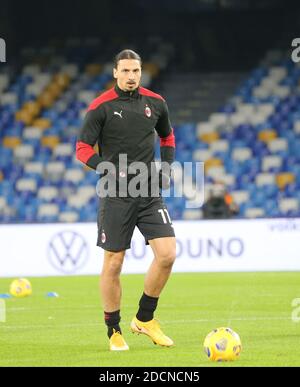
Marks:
<point>148,111</point>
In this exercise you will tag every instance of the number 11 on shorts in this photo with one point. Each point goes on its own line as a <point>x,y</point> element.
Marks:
<point>163,212</point>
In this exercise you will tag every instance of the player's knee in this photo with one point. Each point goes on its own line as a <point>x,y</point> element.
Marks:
<point>113,263</point>
<point>167,257</point>
<point>113,269</point>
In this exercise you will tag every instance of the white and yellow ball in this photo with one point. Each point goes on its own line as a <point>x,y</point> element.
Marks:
<point>20,288</point>
<point>222,344</point>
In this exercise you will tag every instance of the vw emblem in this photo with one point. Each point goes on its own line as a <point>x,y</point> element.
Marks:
<point>68,252</point>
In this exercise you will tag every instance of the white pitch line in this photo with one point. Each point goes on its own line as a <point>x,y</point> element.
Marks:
<point>22,309</point>
<point>174,322</point>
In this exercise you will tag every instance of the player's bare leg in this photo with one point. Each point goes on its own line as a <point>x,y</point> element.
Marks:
<point>164,250</point>
<point>110,283</point>
<point>111,291</point>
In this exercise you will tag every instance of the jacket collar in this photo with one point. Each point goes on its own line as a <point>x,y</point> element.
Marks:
<point>128,94</point>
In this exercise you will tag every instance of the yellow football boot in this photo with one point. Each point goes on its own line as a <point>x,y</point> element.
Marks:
<point>152,329</point>
<point>117,342</point>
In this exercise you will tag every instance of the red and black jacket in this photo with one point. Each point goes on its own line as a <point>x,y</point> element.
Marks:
<point>125,123</point>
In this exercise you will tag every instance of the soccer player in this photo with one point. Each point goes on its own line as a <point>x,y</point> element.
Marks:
<point>123,120</point>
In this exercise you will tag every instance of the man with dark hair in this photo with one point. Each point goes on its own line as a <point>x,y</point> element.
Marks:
<point>126,54</point>
<point>123,120</point>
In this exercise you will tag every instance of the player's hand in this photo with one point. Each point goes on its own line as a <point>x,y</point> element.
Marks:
<point>164,180</point>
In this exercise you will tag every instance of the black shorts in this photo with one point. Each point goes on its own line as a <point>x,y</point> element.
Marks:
<point>118,217</point>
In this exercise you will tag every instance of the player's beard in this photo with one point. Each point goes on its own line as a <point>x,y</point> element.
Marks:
<point>131,86</point>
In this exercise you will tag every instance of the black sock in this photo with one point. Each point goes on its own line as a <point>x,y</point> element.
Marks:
<point>147,307</point>
<point>112,320</point>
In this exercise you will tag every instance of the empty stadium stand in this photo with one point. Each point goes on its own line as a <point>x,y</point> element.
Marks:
<point>248,138</point>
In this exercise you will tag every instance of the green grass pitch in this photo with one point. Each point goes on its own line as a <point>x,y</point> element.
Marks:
<point>69,330</point>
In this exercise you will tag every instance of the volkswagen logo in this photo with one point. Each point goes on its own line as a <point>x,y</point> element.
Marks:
<point>68,252</point>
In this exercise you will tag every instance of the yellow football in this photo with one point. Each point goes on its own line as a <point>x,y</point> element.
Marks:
<point>222,344</point>
<point>20,288</point>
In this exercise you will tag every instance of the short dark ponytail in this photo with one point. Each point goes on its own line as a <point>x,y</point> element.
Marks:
<point>126,54</point>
